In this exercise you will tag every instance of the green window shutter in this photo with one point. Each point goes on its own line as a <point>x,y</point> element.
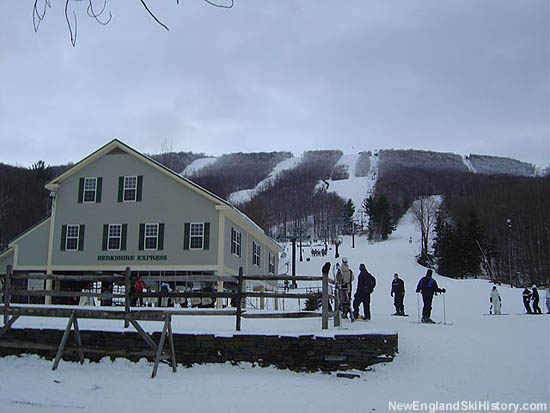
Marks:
<point>123,237</point>
<point>105,237</point>
<point>80,190</point>
<point>120,188</point>
<point>63,236</point>
<point>160,244</point>
<point>139,188</point>
<point>141,236</point>
<point>207,235</point>
<point>186,234</point>
<point>81,238</point>
<point>98,188</point>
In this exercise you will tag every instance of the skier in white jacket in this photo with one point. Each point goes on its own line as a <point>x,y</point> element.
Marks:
<point>495,301</point>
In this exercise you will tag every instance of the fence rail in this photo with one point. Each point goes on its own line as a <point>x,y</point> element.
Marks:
<point>130,313</point>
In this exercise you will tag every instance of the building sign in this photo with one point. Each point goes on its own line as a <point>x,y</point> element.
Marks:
<point>132,257</point>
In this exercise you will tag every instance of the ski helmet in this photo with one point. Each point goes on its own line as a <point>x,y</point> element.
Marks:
<point>344,260</point>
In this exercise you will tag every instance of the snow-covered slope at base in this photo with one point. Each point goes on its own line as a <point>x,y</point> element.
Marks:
<point>245,195</point>
<point>197,165</point>
<point>355,188</point>
<point>478,358</point>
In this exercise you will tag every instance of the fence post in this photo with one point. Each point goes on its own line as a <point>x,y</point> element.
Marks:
<point>239,300</point>
<point>7,287</point>
<point>324,301</point>
<point>126,297</point>
<point>337,304</point>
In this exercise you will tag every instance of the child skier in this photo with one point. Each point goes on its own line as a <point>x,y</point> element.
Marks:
<point>495,300</point>
<point>526,300</point>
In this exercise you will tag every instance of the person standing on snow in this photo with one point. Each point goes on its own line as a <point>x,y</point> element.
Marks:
<point>398,293</point>
<point>526,294</point>
<point>535,298</point>
<point>428,287</point>
<point>495,300</point>
<point>365,286</point>
<point>347,276</point>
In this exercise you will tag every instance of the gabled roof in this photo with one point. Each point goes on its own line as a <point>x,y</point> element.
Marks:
<point>117,145</point>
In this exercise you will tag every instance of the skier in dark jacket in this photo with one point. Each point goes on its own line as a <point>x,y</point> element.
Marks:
<point>398,293</point>
<point>365,286</point>
<point>535,298</point>
<point>526,300</point>
<point>428,287</point>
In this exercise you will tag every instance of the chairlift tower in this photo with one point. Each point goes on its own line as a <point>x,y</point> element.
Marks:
<point>299,236</point>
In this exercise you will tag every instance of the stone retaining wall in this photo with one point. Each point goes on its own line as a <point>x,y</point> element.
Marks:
<point>298,353</point>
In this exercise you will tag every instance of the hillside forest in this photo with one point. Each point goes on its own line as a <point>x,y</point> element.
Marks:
<point>494,223</point>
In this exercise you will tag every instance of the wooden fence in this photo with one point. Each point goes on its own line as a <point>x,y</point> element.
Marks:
<point>132,315</point>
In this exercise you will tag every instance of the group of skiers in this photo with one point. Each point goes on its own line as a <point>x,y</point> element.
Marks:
<point>533,296</point>
<point>527,295</point>
<point>427,287</point>
<point>366,283</point>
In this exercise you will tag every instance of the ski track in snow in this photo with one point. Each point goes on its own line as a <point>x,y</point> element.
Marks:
<point>355,188</point>
<point>196,166</point>
<point>478,358</point>
<point>245,195</point>
<point>468,164</point>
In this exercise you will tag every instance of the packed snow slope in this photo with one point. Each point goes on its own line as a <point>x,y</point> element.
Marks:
<point>355,188</point>
<point>477,358</point>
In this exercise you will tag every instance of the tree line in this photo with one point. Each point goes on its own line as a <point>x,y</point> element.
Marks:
<point>494,225</point>
<point>23,199</point>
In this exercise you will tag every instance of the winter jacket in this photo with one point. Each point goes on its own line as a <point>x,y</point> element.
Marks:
<point>428,286</point>
<point>165,288</point>
<point>535,295</point>
<point>526,295</point>
<point>347,274</point>
<point>495,297</point>
<point>397,286</point>
<point>365,284</point>
<point>139,286</point>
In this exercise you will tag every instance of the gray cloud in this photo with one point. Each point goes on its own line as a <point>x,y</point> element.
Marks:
<point>462,76</point>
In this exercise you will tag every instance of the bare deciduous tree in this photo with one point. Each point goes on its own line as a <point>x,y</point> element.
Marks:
<point>425,214</point>
<point>96,10</point>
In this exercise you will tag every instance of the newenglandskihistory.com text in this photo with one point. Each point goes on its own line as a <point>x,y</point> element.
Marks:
<point>466,406</point>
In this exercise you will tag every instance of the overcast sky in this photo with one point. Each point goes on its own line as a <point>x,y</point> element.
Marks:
<point>462,76</point>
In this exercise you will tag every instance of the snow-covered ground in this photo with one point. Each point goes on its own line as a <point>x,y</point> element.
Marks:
<point>476,359</point>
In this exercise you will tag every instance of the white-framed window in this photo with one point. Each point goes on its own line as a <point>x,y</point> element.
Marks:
<point>90,188</point>
<point>130,188</point>
<point>196,236</point>
<point>71,239</point>
<point>256,252</point>
<point>114,237</point>
<point>235,242</point>
<point>271,263</point>
<point>151,236</point>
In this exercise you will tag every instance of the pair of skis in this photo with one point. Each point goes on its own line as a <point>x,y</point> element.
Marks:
<point>445,322</point>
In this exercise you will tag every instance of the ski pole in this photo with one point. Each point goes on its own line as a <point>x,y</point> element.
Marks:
<point>418,305</point>
<point>444,318</point>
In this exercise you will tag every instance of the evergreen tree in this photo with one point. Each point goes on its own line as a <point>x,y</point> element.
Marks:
<point>473,241</point>
<point>381,223</point>
<point>349,211</point>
